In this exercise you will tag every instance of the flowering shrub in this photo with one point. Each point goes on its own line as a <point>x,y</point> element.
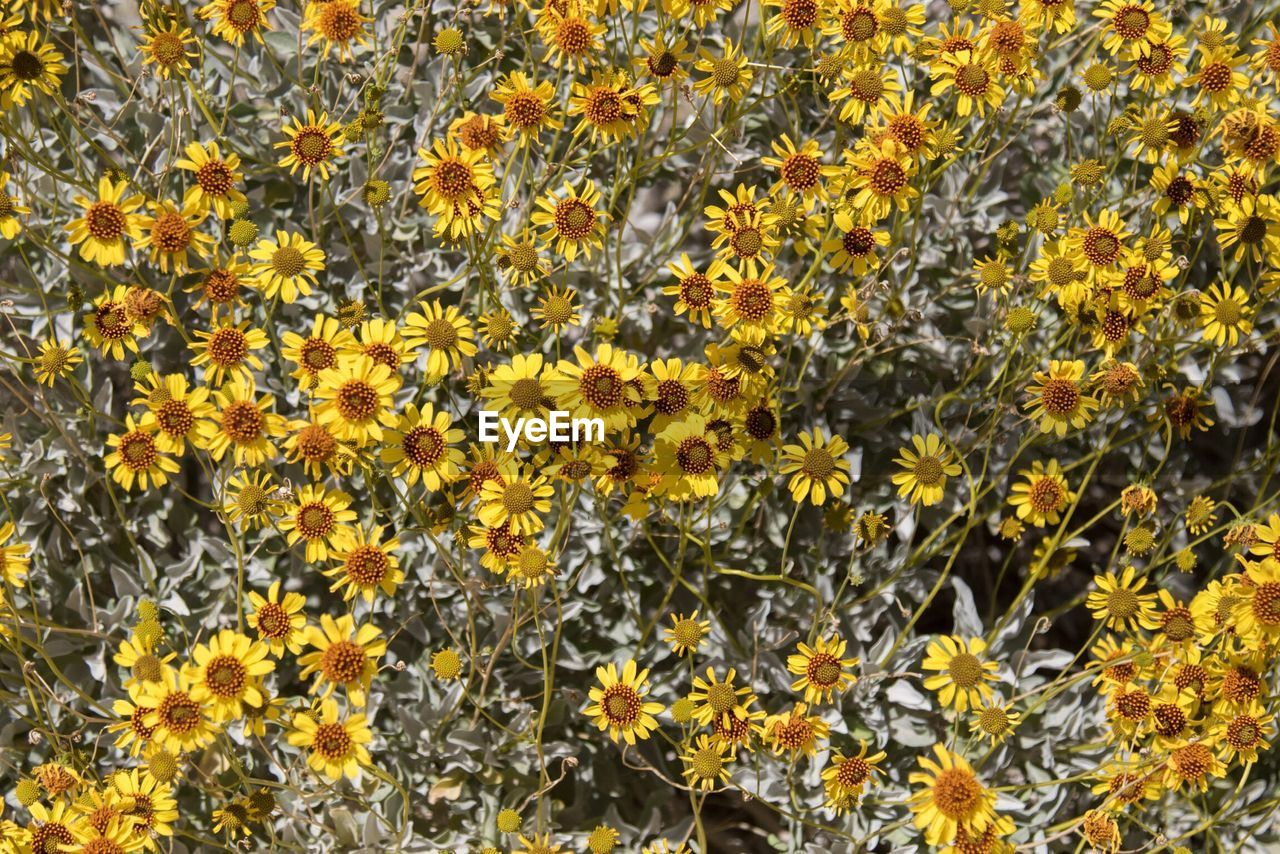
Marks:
<point>934,350</point>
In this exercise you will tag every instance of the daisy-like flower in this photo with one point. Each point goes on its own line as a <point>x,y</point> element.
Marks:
<point>972,75</point>
<point>168,48</point>
<point>319,351</point>
<point>1241,734</point>
<point>356,400</point>
<point>1192,765</point>
<point>994,721</point>
<point>556,309</point>
<point>278,620</point>
<point>107,221</point>
<point>695,291</point>
<point>608,105</point>
<point>286,266</point>
<point>687,456</point>
<point>1118,602</point>
<point>795,22</point>
<point>176,413</point>
<point>367,564</point>
<point>15,559</point>
<point>619,704</point>
<point>748,299</point>
<point>685,634</point>
<point>244,424</point>
<point>344,656</point>
<point>962,680</point>
<point>573,225</point>
<point>216,176</point>
<point>1218,80</point>
<point>879,176</point>
<point>315,446</point>
<point>926,469</point>
<point>847,776</point>
<point>336,745</point>
<point>381,341</point>
<point>705,763</point>
<point>950,797</point>
<point>28,65</point>
<point>800,168</point>
<point>248,499</point>
<point>571,37</point>
<point>526,106</point>
<point>1042,495</point>
<point>135,457</point>
<point>447,334</point>
<point>855,247</point>
<point>226,351</point>
<point>822,669</point>
<point>518,499</point>
<point>1225,314</point>
<point>220,285</point>
<point>817,467</point>
<point>227,673</point>
<point>865,91</point>
<point>1058,401</point>
<point>717,699</point>
<point>1131,26</point>
<point>178,719</point>
<point>10,210</point>
<point>235,19</point>
<point>456,185</point>
<point>602,386</point>
<point>1252,227</point>
<point>55,360</point>
<point>521,388</point>
<point>1256,614</point>
<point>338,24</point>
<point>795,731</point>
<point>521,259</point>
<point>420,446</point>
<point>318,517</point>
<point>728,74</point>
<point>312,144</point>
<point>151,806</point>
<point>671,389</point>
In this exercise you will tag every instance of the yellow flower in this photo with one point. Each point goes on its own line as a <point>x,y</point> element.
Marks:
<point>56,359</point>
<point>244,424</point>
<point>1117,601</point>
<point>15,560</point>
<point>926,470</point>
<point>318,516</point>
<point>176,413</point>
<point>527,107</point>
<point>168,48</point>
<point>107,221</point>
<point>179,719</point>
<point>367,565</point>
<point>795,731</point>
<point>1252,226</point>
<point>705,763</point>
<point>573,224</point>
<point>817,467</point>
<point>248,499</point>
<point>962,679</point>
<point>336,746</point>
<point>234,19</point>
<point>602,386</point>
<point>517,499</point>
<point>226,352</point>
<point>457,186</point>
<point>1224,314</point>
<point>356,400</point>
<point>319,351</point>
<point>687,455</point>
<point>136,458</point>
<point>286,266</point>
<point>821,669</point>
<point>557,308</point>
<point>1043,494</point>
<point>950,797</point>
<point>216,177</point>
<point>278,620</point>
<point>152,807</point>
<point>571,38</point>
<point>446,332</point>
<point>797,21</point>
<point>854,250</point>
<point>10,210</point>
<point>226,673</point>
<point>728,75</point>
<point>973,77</point>
<point>618,703</point>
<point>344,656</point>
<point>420,446</point>
<point>1057,399</point>
<point>847,776</point>
<point>695,291</point>
<point>27,64</point>
<point>994,720</point>
<point>686,633</point>
<point>312,144</point>
<point>381,341</point>
<point>337,23</point>
<point>719,699</point>
<point>609,105</point>
<point>1256,614</point>
<point>879,176</point>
